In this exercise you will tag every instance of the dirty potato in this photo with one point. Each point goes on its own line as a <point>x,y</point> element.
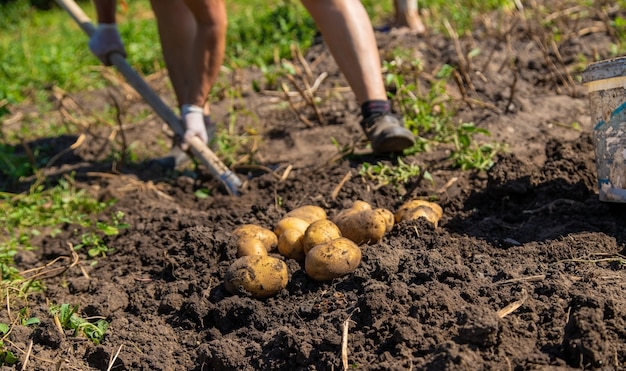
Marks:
<point>415,209</point>
<point>319,232</point>
<point>257,275</point>
<point>362,224</point>
<point>309,213</point>
<point>266,236</point>
<point>332,259</point>
<point>290,222</point>
<point>250,246</point>
<point>290,245</point>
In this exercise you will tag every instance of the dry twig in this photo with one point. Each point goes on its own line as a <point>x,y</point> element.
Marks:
<point>112,360</point>
<point>513,306</point>
<point>340,185</point>
<point>27,356</point>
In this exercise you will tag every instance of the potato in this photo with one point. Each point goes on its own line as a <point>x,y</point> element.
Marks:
<point>361,206</point>
<point>290,222</point>
<point>362,224</point>
<point>332,259</point>
<point>319,232</point>
<point>290,245</point>
<point>250,246</point>
<point>415,209</point>
<point>422,212</point>
<point>309,213</point>
<point>257,275</point>
<point>269,238</point>
<point>390,219</point>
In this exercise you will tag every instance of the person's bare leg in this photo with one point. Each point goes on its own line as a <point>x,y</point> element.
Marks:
<point>208,48</point>
<point>177,31</point>
<point>348,32</point>
<point>105,10</point>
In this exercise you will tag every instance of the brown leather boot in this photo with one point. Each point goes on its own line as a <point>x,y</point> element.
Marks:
<point>388,134</point>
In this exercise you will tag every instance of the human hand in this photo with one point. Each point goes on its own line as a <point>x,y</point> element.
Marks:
<point>193,118</point>
<point>106,40</point>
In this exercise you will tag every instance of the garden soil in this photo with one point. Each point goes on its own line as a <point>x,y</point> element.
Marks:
<point>524,271</point>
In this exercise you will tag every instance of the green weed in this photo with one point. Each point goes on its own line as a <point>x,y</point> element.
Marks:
<point>93,239</point>
<point>460,14</point>
<point>6,356</point>
<point>66,318</point>
<point>383,174</point>
<point>428,112</point>
<point>469,155</point>
<point>13,165</point>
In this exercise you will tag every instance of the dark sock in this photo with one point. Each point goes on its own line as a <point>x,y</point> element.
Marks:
<point>374,108</point>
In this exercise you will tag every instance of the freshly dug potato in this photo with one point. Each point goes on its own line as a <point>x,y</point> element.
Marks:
<point>332,259</point>
<point>309,213</point>
<point>319,232</point>
<point>362,224</point>
<point>415,209</point>
<point>250,246</point>
<point>290,222</point>
<point>390,219</point>
<point>258,275</point>
<point>269,238</point>
<point>290,245</point>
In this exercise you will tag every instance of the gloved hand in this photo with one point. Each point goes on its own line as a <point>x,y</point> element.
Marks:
<point>106,40</point>
<point>193,118</point>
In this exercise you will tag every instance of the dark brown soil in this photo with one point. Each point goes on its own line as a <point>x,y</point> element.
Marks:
<point>530,232</point>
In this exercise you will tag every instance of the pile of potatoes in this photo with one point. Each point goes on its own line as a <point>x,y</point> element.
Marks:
<point>256,272</point>
<point>306,235</point>
<point>328,248</point>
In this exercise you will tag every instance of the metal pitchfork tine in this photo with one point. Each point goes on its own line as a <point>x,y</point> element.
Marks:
<point>197,146</point>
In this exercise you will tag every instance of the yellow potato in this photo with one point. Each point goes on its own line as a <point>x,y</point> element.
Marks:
<point>390,219</point>
<point>290,245</point>
<point>250,246</point>
<point>309,213</point>
<point>332,259</point>
<point>361,206</point>
<point>422,212</point>
<point>319,232</point>
<point>415,209</point>
<point>290,222</point>
<point>269,238</point>
<point>362,225</point>
<point>257,275</point>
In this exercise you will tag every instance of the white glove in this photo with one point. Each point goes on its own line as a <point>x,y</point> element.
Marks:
<point>193,118</point>
<point>106,40</point>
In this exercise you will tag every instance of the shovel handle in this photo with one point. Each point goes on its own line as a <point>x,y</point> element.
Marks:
<point>197,147</point>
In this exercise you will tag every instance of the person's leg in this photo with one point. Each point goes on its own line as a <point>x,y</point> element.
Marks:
<point>348,32</point>
<point>106,11</point>
<point>207,50</point>
<point>192,35</point>
<point>177,31</point>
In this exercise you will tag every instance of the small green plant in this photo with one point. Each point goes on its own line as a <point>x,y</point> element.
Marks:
<point>384,174</point>
<point>93,240</point>
<point>66,318</point>
<point>6,356</point>
<point>230,144</point>
<point>469,155</point>
<point>12,165</point>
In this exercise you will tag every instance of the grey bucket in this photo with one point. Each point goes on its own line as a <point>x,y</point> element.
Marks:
<point>606,84</point>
